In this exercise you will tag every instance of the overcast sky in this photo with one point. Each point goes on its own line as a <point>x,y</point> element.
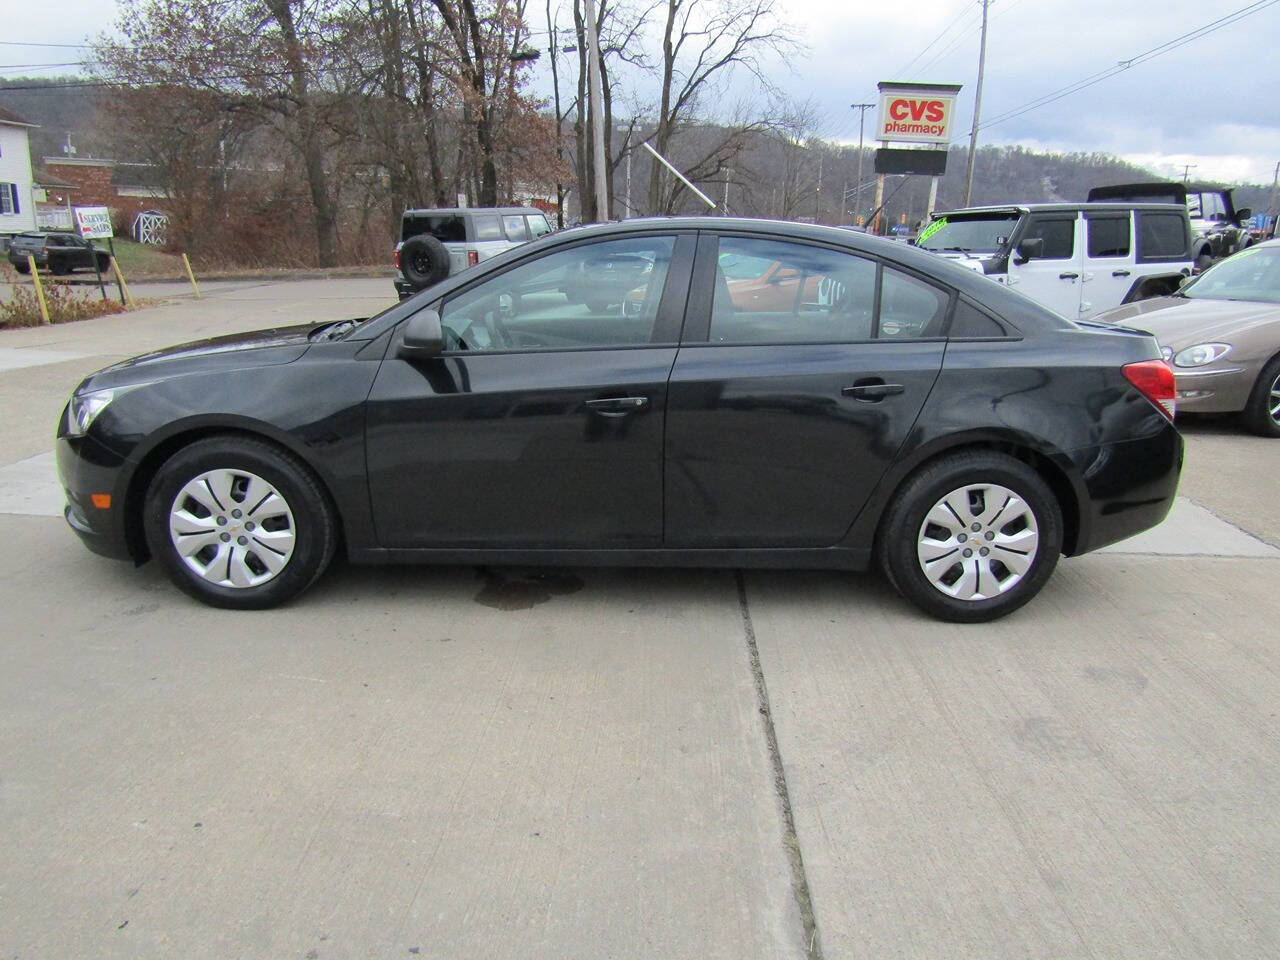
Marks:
<point>1210,102</point>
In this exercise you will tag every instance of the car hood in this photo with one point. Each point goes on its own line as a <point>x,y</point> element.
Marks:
<point>259,348</point>
<point>1181,321</point>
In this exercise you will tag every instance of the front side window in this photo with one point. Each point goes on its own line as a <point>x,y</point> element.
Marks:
<point>538,226</point>
<point>603,294</point>
<point>1161,236</point>
<point>1059,238</point>
<point>1107,236</point>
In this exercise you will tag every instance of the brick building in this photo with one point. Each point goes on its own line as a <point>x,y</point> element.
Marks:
<point>127,189</point>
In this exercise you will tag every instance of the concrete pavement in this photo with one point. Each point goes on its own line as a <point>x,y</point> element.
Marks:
<point>450,763</point>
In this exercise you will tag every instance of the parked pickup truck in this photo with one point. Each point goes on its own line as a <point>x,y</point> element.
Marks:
<point>1075,258</point>
<point>56,252</point>
<point>1218,229</point>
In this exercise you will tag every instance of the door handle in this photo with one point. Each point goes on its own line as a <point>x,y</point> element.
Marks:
<point>1068,276</point>
<point>617,406</point>
<point>1119,273</point>
<point>873,392</point>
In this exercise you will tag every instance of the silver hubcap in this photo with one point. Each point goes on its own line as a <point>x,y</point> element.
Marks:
<point>978,541</point>
<point>1274,404</point>
<point>232,528</point>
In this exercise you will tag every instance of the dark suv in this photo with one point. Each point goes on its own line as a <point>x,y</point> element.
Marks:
<point>56,252</point>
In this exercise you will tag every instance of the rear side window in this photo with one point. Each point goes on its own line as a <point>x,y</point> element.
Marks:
<point>515,228</point>
<point>1161,236</point>
<point>447,228</point>
<point>968,322</point>
<point>1059,237</point>
<point>538,226</point>
<point>910,308</point>
<point>1107,236</point>
<point>486,227</point>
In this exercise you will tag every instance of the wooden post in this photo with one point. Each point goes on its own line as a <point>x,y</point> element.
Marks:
<point>111,247</point>
<point>126,298</point>
<point>191,275</point>
<point>35,278</point>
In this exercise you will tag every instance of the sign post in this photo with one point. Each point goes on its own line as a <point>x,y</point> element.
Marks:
<point>915,113</point>
<point>94,223</point>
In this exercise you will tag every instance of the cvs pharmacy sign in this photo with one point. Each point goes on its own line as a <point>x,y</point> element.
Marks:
<point>919,113</point>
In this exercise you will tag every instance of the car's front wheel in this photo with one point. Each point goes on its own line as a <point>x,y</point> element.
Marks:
<point>1262,413</point>
<point>238,523</point>
<point>972,536</point>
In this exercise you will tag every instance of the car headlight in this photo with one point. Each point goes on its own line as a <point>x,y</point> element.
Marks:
<point>84,409</point>
<point>1200,354</point>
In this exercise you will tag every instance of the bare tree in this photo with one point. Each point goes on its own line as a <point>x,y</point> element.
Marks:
<point>703,42</point>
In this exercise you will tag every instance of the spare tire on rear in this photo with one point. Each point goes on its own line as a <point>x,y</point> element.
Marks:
<point>424,261</point>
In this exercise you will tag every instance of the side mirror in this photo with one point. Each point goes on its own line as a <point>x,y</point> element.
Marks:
<point>422,336</point>
<point>1243,214</point>
<point>1030,248</point>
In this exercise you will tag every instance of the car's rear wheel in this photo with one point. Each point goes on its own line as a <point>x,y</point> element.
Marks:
<point>1262,414</point>
<point>238,523</point>
<point>22,267</point>
<point>971,537</point>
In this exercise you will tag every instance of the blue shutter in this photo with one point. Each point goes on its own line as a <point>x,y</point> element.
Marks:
<point>13,188</point>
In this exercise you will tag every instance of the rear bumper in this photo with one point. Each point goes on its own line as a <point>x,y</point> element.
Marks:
<point>1130,484</point>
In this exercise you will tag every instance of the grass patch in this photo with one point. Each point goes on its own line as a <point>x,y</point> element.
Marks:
<point>144,262</point>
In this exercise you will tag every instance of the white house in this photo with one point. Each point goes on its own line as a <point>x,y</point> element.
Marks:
<point>17,187</point>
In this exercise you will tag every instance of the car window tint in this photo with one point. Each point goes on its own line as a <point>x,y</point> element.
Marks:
<point>772,291</point>
<point>515,228</point>
<point>1161,235</point>
<point>968,321</point>
<point>538,226</point>
<point>910,308</point>
<point>1107,236</point>
<point>447,228</point>
<point>603,294</point>
<point>1059,238</point>
<point>486,227</point>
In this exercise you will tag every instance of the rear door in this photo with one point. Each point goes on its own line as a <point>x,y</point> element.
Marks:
<point>1054,277</point>
<point>1108,270</point>
<point>784,410</point>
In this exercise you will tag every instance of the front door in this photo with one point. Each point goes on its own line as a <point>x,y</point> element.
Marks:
<point>1053,278</point>
<point>541,425</point>
<point>785,409</point>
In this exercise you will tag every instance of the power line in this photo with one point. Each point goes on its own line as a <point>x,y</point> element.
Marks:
<point>945,30</point>
<point>1124,65</point>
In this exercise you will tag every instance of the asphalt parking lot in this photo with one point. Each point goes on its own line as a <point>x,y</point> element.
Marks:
<point>455,763</point>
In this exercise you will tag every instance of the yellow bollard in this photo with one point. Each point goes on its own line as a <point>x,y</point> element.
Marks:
<point>35,278</point>
<point>124,287</point>
<point>190,274</point>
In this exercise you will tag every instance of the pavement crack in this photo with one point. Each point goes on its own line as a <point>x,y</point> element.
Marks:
<point>790,839</point>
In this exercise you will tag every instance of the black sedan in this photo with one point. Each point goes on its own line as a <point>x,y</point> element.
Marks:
<point>872,404</point>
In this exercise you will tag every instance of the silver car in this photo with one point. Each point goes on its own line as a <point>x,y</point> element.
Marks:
<point>1221,334</point>
<point>439,242</point>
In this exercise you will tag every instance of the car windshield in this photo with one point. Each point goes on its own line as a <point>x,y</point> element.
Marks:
<point>971,234</point>
<point>1252,274</point>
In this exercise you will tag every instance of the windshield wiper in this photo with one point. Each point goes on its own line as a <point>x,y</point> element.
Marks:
<point>339,328</point>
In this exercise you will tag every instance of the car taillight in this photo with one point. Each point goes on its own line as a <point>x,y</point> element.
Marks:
<point>396,259</point>
<point>1154,380</point>
<point>473,257</point>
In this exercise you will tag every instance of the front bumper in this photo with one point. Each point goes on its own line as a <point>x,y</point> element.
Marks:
<point>1222,390</point>
<point>86,467</point>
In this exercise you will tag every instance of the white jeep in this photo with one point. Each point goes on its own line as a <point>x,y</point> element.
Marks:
<point>1075,258</point>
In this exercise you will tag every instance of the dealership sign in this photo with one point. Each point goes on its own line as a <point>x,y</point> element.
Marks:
<point>93,223</point>
<point>917,112</point>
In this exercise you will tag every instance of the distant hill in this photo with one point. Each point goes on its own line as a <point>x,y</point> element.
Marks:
<point>66,108</point>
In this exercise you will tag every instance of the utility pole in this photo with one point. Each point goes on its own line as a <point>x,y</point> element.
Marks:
<point>724,207</point>
<point>862,109</point>
<point>977,108</point>
<point>597,113</point>
<point>1271,201</point>
<point>1186,171</point>
<point>817,197</point>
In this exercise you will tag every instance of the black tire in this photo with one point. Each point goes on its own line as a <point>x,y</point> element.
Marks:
<point>23,268</point>
<point>1204,260</point>
<point>103,263</point>
<point>903,523</point>
<point>58,267</point>
<point>1257,415</point>
<point>424,261</point>
<point>314,524</point>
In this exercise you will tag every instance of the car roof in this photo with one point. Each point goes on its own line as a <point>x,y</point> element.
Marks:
<point>1100,206</point>
<point>459,211</point>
